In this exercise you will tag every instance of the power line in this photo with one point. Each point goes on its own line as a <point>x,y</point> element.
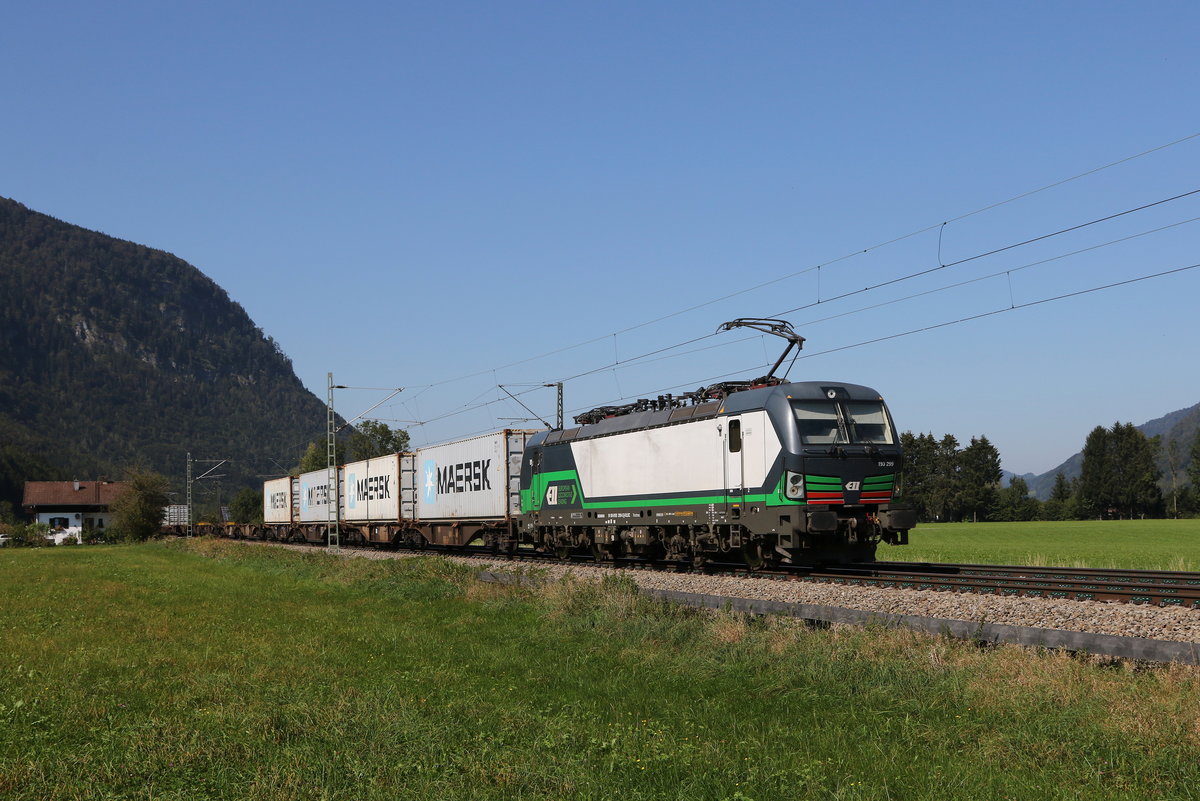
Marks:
<point>1012,307</point>
<point>877,340</point>
<point>918,232</point>
<point>831,262</point>
<point>622,363</point>
<point>619,363</point>
<point>1000,273</point>
<point>1003,310</point>
<point>977,256</point>
<point>1072,228</point>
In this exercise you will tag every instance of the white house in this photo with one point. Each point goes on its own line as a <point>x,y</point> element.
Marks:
<point>65,505</point>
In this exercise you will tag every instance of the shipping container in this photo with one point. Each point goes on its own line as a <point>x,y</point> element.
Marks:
<point>472,479</point>
<point>314,496</point>
<point>278,500</point>
<point>176,514</point>
<point>379,490</point>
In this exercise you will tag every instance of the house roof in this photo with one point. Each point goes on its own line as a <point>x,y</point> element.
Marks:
<point>63,493</point>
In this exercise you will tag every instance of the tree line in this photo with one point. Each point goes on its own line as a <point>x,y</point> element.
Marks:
<point>1119,478</point>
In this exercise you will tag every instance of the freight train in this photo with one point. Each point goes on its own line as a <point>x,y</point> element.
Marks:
<point>758,472</point>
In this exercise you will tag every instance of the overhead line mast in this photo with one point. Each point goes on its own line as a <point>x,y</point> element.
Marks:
<point>333,510</point>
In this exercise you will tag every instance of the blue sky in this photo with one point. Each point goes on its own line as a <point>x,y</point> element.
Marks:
<point>432,195</point>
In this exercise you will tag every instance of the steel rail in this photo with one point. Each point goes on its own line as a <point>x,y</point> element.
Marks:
<point>1182,577</point>
<point>1136,587</point>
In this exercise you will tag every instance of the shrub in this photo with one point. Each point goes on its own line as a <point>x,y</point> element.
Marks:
<point>31,535</point>
<point>138,511</point>
<point>93,536</point>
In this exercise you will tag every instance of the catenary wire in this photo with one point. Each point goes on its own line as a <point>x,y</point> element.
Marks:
<point>876,340</point>
<point>831,262</point>
<point>922,329</point>
<point>993,252</point>
<point>628,362</point>
<point>619,363</point>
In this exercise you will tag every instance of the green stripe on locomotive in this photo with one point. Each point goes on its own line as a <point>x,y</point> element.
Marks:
<point>531,499</point>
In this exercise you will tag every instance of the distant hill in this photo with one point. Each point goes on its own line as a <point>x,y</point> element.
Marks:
<point>1006,477</point>
<point>1179,426</point>
<point>113,354</point>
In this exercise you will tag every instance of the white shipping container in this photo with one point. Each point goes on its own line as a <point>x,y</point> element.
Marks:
<point>472,479</point>
<point>370,489</point>
<point>176,514</point>
<point>277,500</point>
<point>314,496</point>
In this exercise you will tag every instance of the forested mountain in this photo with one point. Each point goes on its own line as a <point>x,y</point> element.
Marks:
<point>1179,427</point>
<point>113,355</point>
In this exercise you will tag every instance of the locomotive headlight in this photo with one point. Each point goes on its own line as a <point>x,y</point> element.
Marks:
<point>794,486</point>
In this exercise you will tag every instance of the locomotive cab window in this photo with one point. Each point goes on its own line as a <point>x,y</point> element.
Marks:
<point>735,436</point>
<point>869,422</point>
<point>838,423</point>
<point>819,423</point>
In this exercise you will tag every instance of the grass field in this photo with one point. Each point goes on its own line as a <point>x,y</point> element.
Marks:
<point>1141,544</point>
<point>193,670</point>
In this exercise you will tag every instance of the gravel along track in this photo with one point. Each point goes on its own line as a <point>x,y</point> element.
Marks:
<point>1122,620</point>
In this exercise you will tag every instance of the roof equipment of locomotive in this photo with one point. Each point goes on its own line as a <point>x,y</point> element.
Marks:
<point>713,392</point>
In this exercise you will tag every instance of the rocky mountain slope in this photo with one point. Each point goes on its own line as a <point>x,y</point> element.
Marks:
<point>115,355</point>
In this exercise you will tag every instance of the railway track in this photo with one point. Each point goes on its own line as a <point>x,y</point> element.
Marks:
<point>1153,587</point>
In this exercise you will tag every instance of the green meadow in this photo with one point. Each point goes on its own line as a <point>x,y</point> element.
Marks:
<point>215,670</point>
<point>1133,544</point>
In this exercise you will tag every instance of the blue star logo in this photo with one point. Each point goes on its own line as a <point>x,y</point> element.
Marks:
<point>430,485</point>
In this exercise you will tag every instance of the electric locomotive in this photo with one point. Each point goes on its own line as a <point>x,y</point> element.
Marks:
<point>760,471</point>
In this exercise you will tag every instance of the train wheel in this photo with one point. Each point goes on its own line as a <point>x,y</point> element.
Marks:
<point>491,541</point>
<point>752,555</point>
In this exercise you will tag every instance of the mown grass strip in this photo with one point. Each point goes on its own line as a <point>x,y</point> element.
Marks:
<point>216,670</point>
<point>1127,544</point>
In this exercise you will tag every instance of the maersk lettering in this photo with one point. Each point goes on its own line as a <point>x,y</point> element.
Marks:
<point>278,500</point>
<point>317,495</point>
<point>375,488</point>
<point>465,477</point>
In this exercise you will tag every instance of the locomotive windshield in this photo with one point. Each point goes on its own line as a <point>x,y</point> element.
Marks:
<point>842,422</point>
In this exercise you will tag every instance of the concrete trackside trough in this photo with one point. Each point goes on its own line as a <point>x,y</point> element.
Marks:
<point>1102,644</point>
<point>1136,648</point>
